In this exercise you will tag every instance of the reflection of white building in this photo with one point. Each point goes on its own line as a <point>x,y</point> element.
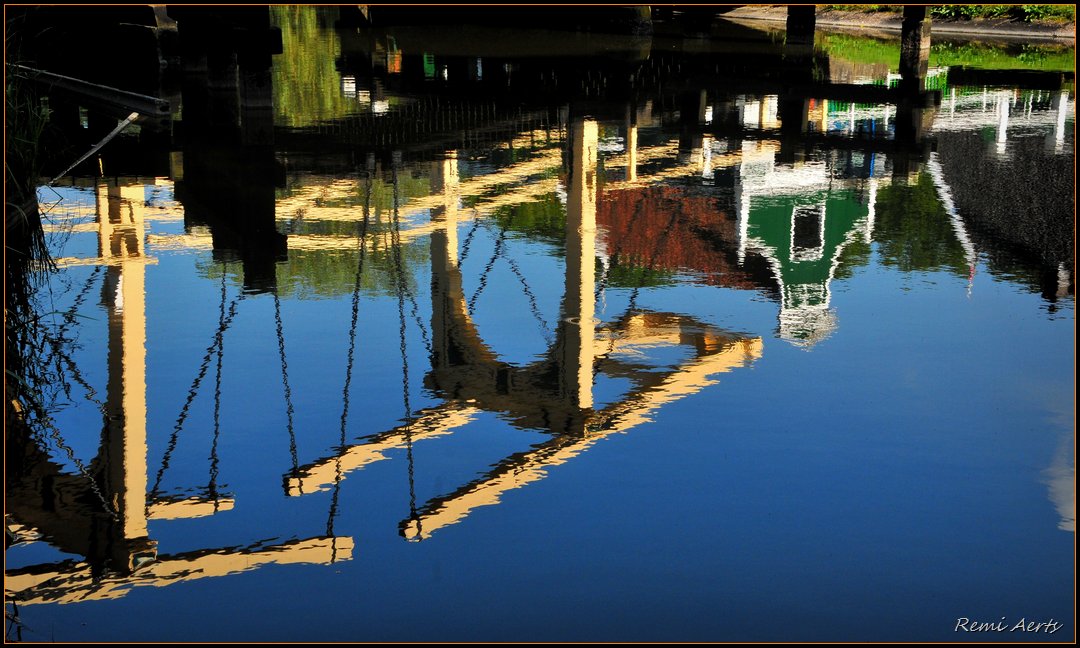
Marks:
<point>800,218</point>
<point>1033,111</point>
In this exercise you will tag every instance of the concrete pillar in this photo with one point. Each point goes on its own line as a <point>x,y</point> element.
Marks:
<point>256,105</point>
<point>801,23</point>
<point>794,114</point>
<point>799,39</point>
<point>692,118</point>
<point>223,86</point>
<point>914,48</point>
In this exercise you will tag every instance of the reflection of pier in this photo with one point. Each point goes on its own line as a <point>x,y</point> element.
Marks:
<point>102,512</point>
<point>229,170</point>
<point>788,224</point>
<point>755,144</point>
<point>738,142</point>
<point>447,93</point>
<point>75,582</point>
<point>555,393</point>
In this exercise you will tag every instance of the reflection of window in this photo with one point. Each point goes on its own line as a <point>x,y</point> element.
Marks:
<point>393,62</point>
<point>808,233</point>
<point>393,56</point>
<point>806,296</point>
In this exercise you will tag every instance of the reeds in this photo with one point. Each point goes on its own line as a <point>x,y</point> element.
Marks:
<point>26,255</point>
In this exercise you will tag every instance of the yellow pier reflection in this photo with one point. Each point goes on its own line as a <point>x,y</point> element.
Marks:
<point>555,393</point>
<point>75,582</point>
<point>102,514</point>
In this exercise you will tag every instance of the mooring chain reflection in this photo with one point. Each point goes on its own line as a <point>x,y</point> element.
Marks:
<point>211,488</point>
<point>361,235</point>
<point>399,285</point>
<point>799,218</point>
<point>192,393</point>
<point>279,329</point>
<point>109,528</point>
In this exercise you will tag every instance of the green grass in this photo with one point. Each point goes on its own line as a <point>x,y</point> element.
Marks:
<point>865,50</point>
<point>1021,57</point>
<point>306,90</point>
<point>1025,13</point>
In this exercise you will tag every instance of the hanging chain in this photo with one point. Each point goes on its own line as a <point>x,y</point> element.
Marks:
<point>285,383</point>
<point>192,392</point>
<point>212,487</point>
<point>361,245</point>
<point>399,272</point>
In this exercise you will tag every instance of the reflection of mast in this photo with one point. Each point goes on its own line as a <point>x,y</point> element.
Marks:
<point>445,277</point>
<point>1003,123</point>
<point>74,582</point>
<point>1061,104</point>
<point>579,300</point>
<point>570,412</point>
<point>937,174</point>
<point>120,245</point>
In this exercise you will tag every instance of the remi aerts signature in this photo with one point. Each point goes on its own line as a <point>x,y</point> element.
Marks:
<point>964,624</point>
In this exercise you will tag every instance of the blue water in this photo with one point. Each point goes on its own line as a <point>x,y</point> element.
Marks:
<point>901,464</point>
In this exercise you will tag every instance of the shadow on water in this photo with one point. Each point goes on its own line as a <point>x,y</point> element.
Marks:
<point>311,151</point>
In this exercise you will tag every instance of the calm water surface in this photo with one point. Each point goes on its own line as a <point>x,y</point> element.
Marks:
<point>454,358</point>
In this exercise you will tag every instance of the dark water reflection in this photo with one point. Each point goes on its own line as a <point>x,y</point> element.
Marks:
<point>631,338</point>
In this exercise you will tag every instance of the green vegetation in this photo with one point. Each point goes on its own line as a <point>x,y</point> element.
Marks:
<point>1024,13</point>
<point>861,49</point>
<point>623,274</point>
<point>26,256</point>
<point>913,230</point>
<point>543,219</point>
<point>316,273</point>
<point>1019,57</point>
<point>306,89</point>
<point>326,274</point>
<point>874,51</point>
